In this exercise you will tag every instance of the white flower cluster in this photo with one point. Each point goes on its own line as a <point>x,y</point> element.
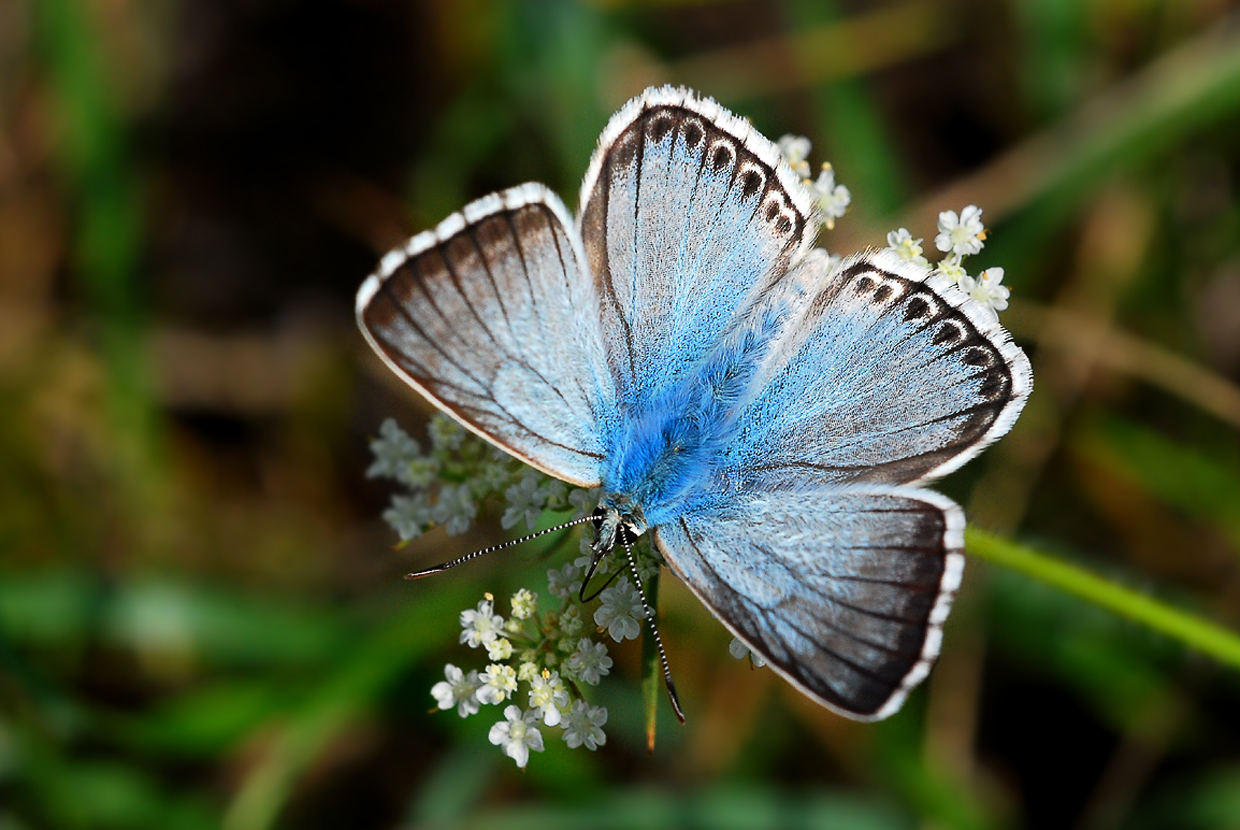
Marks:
<point>447,484</point>
<point>960,235</point>
<point>832,198</point>
<point>539,662</point>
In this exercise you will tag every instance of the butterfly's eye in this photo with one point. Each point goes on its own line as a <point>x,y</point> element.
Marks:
<point>596,518</point>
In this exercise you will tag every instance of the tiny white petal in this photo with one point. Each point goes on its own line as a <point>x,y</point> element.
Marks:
<point>480,626</point>
<point>524,604</point>
<point>583,726</point>
<point>517,734</point>
<point>589,662</point>
<point>795,149</point>
<point>961,234</point>
<point>459,690</point>
<point>620,611</point>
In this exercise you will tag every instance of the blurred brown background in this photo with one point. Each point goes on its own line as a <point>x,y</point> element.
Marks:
<point>202,622</point>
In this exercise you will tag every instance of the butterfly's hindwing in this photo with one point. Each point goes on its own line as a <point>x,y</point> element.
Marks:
<point>843,592</point>
<point>889,375</point>
<point>484,316</point>
<point>686,215</point>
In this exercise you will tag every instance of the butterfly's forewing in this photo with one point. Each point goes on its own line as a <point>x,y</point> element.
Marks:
<point>888,374</point>
<point>844,592</point>
<point>687,213</point>
<point>490,316</point>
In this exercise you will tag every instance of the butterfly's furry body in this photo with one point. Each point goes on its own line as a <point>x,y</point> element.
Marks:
<point>668,455</point>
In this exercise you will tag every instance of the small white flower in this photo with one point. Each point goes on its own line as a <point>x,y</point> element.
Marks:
<point>524,604</point>
<point>517,734</point>
<point>985,288</point>
<point>795,148</point>
<point>832,198</point>
<point>480,627</point>
<point>554,494</point>
<point>548,696</point>
<point>571,623</point>
<point>526,500</point>
<point>455,508</point>
<point>903,244</point>
<point>458,690</point>
<point>951,267</point>
<point>589,662</point>
<point>408,515</point>
<point>620,612</point>
<point>739,650</point>
<point>566,581</point>
<point>496,470</point>
<point>961,235</point>
<point>446,434</point>
<point>583,501</point>
<point>649,561</point>
<point>499,649</point>
<point>393,450</point>
<point>527,671</point>
<point>498,683</point>
<point>419,472</point>
<point>583,726</point>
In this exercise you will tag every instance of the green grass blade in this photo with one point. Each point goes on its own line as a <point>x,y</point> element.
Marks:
<point>1193,631</point>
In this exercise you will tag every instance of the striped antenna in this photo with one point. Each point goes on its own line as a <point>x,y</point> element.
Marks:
<point>654,629</point>
<point>452,564</point>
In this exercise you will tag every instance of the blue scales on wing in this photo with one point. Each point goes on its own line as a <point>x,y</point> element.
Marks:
<point>484,316</point>
<point>843,592</point>
<point>687,215</point>
<point>886,374</point>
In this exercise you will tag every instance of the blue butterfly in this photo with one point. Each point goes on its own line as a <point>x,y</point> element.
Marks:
<point>770,418</point>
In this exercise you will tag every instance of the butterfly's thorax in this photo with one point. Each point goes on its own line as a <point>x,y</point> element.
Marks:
<point>666,457</point>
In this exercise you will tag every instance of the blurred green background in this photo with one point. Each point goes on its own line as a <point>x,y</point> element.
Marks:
<point>202,621</point>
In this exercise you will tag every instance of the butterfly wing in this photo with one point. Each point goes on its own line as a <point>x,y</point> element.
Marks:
<point>842,591</point>
<point>490,316</point>
<point>887,374</point>
<point>687,215</point>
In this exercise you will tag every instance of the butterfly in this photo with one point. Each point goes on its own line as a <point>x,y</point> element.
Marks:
<point>768,416</point>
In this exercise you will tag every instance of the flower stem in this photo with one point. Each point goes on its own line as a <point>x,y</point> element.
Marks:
<point>652,677</point>
<point>1201,634</point>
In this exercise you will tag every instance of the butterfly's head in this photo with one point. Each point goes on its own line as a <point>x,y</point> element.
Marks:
<point>613,512</point>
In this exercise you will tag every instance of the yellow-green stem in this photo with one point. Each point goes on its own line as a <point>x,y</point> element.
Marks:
<point>1201,634</point>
